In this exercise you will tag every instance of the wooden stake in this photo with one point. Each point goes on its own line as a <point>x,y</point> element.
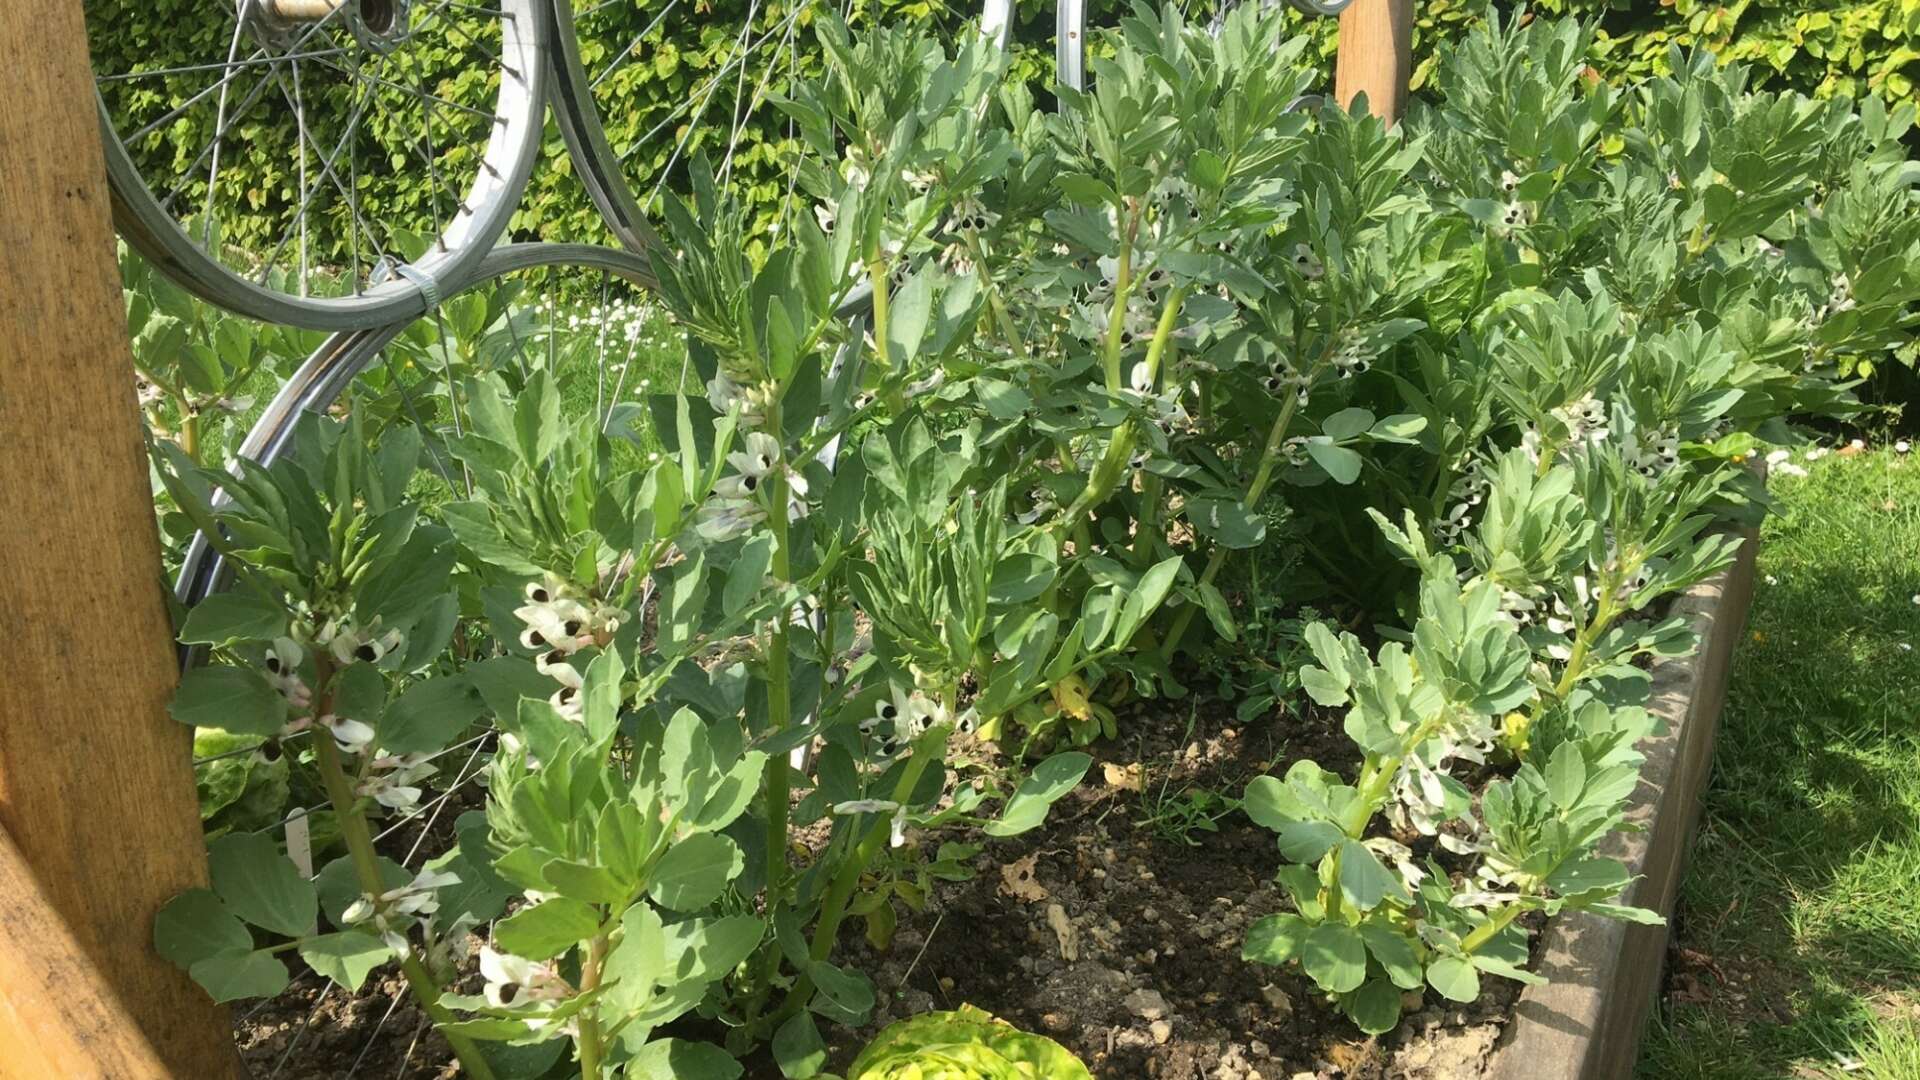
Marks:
<point>96,781</point>
<point>1376,56</point>
<point>57,1017</point>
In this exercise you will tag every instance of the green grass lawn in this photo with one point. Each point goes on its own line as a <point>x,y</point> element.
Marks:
<point>1798,931</point>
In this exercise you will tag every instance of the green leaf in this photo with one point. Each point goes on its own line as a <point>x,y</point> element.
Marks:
<point>1363,880</point>
<point>338,884</point>
<point>1399,428</point>
<point>716,946</point>
<point>1214,603</point>
<point>798,1048</point>
<point>1019,578</point>
<point>679,1059</point>
<point>537,427</point>
<point>1274,939</point>
<point>431,714</point>
<point>1455,978</point>
<point>228,617</point>
<point>694,871</point>
<point>1305,841</point>
<point>546,929</point>
<point>1375,1007</point>
<point>1270,804</point>
<point>1394,952</point>
<point>195,925</point>
<point>907,319</point>
<point>841,995</point>
<point>600,696</point>
<point>747,577</point>
<point>638,962</point>
<point>730,795</point>
<point>345,957</point>
<point>585,881</point>
<point>230,976</point>
<point>1566,775</point>
<point>1221,519</point>
<point>686,760</point>
<point>504,680</point>
<point>1595,877</point>
<point>1335,957</point>
<point>1628,913</point>
<point>1145,599</point>
<point>1346,423</point>
<point>1342,464</point>
<point>1494,965</point>
<point>260,885</point>
<point>1049,780</point>
<point>234,699</point>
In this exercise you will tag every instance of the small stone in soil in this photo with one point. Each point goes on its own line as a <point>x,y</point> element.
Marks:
<point>1146,1004</point>
<point>1161,1031</point>
<point>1277,998</point>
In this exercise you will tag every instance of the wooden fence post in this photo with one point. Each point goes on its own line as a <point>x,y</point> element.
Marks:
<point>96,781</point>
<point>1376,56</point>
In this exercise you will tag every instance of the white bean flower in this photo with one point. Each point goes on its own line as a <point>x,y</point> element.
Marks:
<point>513,981</point>
<point>284,658</point>
<point>350,735</point>
<point>566,699</point>
<point>559,623</point>
<point>1307,263</point>
<point>395,910</point>
<point>1141,379</point>
<point>897,826</point>
<point>349,642</point>
<point>393,780</point>
<point>1585,419</point>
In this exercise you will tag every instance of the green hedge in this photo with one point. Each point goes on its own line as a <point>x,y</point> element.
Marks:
<point>1869,47</point>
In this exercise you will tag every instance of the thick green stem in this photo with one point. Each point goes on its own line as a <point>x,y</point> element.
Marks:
<point>1485,932</point>
<point>1122,292</point>
<point>995,302</point>
<point>1111,467</point>
<point>833,909</point>
<point>779,691</point>
<point>366,867</point>
<point>1603,616</point>
<point>882,307</point>
<point>592,1049</point>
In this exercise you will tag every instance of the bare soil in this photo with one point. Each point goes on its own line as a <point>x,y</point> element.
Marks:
<point>1123,942</point>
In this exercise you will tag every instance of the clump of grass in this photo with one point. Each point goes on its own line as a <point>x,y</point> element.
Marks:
<point>1798,930</point>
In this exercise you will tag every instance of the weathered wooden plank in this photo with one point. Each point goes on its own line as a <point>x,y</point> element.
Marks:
<point>96,784</point>
<point>58,1017</point>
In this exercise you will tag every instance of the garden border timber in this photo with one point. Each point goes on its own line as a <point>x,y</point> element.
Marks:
<point>1585,1023</point>
<point>96,780</point>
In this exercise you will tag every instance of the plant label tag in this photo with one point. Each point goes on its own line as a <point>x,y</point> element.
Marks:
<point>300,848</point>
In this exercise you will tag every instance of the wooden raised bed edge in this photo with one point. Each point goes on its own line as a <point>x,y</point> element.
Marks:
<point>1586,1022</point>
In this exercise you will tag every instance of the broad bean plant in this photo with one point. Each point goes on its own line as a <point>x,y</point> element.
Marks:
<point>979,450</point>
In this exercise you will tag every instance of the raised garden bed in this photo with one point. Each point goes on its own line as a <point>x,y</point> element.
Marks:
<point>1604,974</point>
<point>1108,932</point>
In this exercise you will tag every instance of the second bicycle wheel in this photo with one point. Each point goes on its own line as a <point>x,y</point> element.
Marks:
<point>322,163</point>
